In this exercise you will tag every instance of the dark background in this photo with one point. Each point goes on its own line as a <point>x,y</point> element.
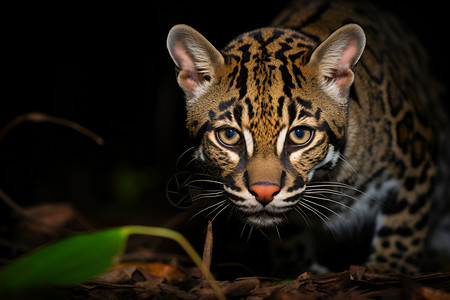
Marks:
<point>106,67</point>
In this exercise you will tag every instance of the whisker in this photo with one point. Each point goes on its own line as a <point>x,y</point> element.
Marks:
<point>315,211</point>
<point>180,201</point>
<point>191,161</point>
<point>250,233</point>
<point>203,174</point>
<point>233,210</point>
<point>304,216</point>
<point>326,184</point>
<point>220,203</point>
<point>321,215</point>
<point>333,184</point>
<point>226,206</point>
<point>310,195</point>
<point>203,180</point>
<point>324,207</point>
<point>207,195</point>
<point>211,190</point>
<point>181,156</point>
<point>342,157</point>
<point>216,208</point>
<point>285,217</point>
<point>243,229</point>
<point>278,233</point>
<point>330,191</point>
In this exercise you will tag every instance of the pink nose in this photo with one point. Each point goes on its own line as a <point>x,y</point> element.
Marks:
<point>264,191</point>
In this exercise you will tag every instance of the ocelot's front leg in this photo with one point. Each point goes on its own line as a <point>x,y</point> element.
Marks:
<point>401,229</point>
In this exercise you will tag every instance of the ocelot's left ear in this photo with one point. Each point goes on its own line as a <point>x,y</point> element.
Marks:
<point>335,59</point>
<point>196,59</point>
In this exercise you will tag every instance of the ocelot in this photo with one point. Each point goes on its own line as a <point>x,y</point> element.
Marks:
<point>323,115</point>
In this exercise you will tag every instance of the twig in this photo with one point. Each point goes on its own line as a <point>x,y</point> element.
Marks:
<point>13,205</point>
<point>181,240</point>
<point>207,250</point>
<point>41,117</point>
<point>29,217</point>
<point>22,212</point>
<point>38,118</point>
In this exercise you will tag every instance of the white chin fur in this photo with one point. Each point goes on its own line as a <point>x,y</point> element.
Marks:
<point>264,220</point>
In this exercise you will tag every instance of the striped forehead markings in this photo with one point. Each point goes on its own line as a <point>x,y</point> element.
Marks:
<point>280,106</point>
<point>223,105</point>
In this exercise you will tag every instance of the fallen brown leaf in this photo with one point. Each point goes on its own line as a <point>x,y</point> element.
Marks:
<point>207,250</point>
<point>157,269</point>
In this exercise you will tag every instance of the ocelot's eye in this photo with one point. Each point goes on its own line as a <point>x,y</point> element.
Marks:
<point>228,136</point>
<point>301,136</point>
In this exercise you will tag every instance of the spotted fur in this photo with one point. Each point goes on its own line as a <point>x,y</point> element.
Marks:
<point>353,79</point>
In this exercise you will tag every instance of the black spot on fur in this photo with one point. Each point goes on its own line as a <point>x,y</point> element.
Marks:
<point>250,108</point>
<point>235,198</point>
<point>232,76</point>
<point>237,113</point>
<point>334,140</point>
<point>416,241</point>
<point>298,184</point>
<point>400,246</point>
<point>404,129</point>
<point>226,104</point>
<point>422,222</point>
<point>381,259</point>
<point>418,204</point>
<point>418,150</point>
<point>241,81</point>
<point>304,113</point>
<point>280,106</point>
<point>404,231</point>
<point>226,115</point>
<point>411,259</point>
<point>401,168</point>
<point>410,183</point>
<point>317,114</point>
<point>229,182</point>
<point>393,205</point>
<point>246,179</point>
<point>282,179</point>
<point>201,132</point>
<point>292,110</point>
<point>396,98</point>
<point>295,69</point>
<point>305,103</point>
<point>385,231</point>
<point>287,81</point>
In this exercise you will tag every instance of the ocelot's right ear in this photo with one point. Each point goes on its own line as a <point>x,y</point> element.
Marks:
<point>196,59</point>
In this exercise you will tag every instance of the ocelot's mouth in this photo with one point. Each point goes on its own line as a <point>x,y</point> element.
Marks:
<point>263,215</point>
<point>265,218</point>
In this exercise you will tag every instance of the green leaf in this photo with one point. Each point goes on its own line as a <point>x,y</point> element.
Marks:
<point>83,257</point>
<point>70,261</point>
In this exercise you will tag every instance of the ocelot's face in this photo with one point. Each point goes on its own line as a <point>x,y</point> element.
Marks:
<point>267,154</point>
<point>268,112</point>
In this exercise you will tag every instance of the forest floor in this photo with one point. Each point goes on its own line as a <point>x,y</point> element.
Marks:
<point>148,274</point>
<point>164,281</point>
